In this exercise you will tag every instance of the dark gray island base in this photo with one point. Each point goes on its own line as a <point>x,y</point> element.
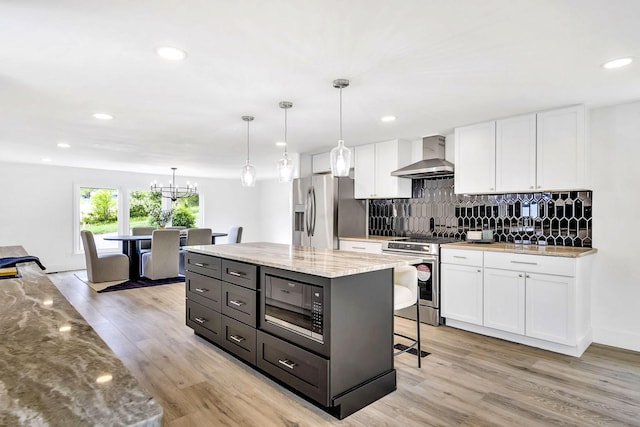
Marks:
<point>346,364</point>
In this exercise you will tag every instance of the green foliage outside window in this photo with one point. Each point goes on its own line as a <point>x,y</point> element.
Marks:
<point>103,208</point>
<point>182,216</point>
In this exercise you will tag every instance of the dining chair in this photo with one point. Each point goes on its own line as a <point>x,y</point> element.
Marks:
<point>103,268</point>
<point>405,294</point>
<point>235,234</point>
<point>143,231</point>
<point>194,236</point>
<point>163,260</point>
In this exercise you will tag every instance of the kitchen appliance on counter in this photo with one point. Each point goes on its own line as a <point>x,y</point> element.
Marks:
<point>323,209</point>
<point>428,248</point>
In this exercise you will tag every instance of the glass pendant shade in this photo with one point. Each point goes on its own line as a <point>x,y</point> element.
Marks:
<point>340,160</point>
<point>248,175</point>
<point>285,169</point>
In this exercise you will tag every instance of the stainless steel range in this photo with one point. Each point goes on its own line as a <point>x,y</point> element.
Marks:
<point>428,248</point>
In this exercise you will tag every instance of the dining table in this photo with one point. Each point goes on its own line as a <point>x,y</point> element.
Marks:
<point>130,248</point>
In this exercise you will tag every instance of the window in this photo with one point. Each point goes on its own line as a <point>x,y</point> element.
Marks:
<point>140,204</point>
<point>99,214</point>
<point>186,211</point>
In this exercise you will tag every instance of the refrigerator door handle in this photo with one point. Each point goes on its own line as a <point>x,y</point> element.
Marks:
<point>313,226</point>
<point>307,213</point>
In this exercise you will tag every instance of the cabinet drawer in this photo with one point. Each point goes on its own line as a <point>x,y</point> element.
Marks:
<point>304,371</point>
<point>531,263</point>
<point>461,257</point>
<point>204,290</point>
<point>356,246</point>
<point>204,321</point>
<point>203,264</point>
<point>240,273</point>
<point>239,339</point>
<point>239,303</point>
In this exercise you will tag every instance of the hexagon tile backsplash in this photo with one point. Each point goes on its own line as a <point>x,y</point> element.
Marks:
<point>557,218</point>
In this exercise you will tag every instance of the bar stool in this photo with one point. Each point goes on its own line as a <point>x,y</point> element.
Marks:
<point>405,294</point>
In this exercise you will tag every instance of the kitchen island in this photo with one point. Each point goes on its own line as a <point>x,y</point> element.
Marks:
<point>54,368</point>
<point>319,321</point>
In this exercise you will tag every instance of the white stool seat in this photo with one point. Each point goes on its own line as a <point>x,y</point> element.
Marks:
<point>403,297</point>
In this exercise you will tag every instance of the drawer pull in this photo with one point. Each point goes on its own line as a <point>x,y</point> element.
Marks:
<point>201,290</point>
<point>200,264</point>
<point>235,273</point>
<point>524,262</point>
<point>200,320</point>
<point>287,363</point>
<point>236,303</point>
<point>286,291</point>
<point>236,338</point>
<point>461,257</point>
<point>358,247</point>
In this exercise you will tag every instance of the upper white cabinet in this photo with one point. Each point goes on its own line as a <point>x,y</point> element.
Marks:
<point>475,158</point>
<point>321,163</point>
<point>561,149</point>
<point>533,152</point>
<point>373,166</point>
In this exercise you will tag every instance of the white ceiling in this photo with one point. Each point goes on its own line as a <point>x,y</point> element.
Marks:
<point>434,64</point>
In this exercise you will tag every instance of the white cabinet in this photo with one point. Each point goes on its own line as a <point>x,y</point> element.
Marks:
<point>561,149</point>
<point>504,297</point>
<point>475,158</point>
<point>538,300</point>
<point>543,151</point>
<point>516,154</point>
<point>461,285</point>
<point>373,166</point>
<point>360,246</point>
<point>321,163</point>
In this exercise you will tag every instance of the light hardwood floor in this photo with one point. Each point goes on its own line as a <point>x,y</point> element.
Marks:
<point>468,379</point>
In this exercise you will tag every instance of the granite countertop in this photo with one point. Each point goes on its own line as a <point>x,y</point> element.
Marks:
<point>548,250</point>
<point>319,262</point>
<point>372,238</point>
<point>54,368</point>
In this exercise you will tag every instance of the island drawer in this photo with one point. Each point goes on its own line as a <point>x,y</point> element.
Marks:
<point>204,321</point>
<point>239,303</point>
<point>239,339</point>
<point>203,264</point>
<point>302,370</point>
<point>204,290</point>
<point>240,273</point>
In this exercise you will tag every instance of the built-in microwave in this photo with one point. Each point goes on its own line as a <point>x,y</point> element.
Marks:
<point>294,306</point>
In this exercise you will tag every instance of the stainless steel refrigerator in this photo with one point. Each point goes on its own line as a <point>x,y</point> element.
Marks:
<point>324,209</point>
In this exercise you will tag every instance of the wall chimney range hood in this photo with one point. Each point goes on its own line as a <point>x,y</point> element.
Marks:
<point>433,164</point>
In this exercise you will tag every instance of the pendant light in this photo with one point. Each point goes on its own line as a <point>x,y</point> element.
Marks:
<point>340,155</point>
<point>248,175</point>
<point>285,164</point>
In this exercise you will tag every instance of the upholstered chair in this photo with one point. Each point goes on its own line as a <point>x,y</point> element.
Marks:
<point>234,235</point>
<point>143,231</point>
<point>405,294</point>
<point>106,267</point>
<point>162,262</point>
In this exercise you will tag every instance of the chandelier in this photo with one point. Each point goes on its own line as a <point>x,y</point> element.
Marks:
<point>174,192</point>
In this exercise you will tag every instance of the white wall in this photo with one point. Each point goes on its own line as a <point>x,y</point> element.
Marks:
<point>37,208</point>
<point>615,144</point>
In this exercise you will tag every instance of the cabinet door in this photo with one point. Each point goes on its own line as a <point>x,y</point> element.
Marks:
<point>561,149</point>
<point>389,156</point>
<point>504,294</point>
<point>551,306</point>
<point>475,154</point>
<point>364,173</point>
<point>461,293</point>
<point>516,154</point>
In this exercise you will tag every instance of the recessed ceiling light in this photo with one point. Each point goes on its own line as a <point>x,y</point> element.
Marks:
<point>617,63</point>
<point>46,159</point>
<point>171,53</point>
<point>280,144</point>
<point>102,116</point>
<point>63,145</point>
<point>388,118</point>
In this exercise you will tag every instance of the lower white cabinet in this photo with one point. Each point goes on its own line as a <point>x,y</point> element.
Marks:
<point>511,296</point>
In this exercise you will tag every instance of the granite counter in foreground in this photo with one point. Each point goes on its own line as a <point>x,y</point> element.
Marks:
<point>319,262</point>
<point>54,368</point>
<point>548,250</point>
